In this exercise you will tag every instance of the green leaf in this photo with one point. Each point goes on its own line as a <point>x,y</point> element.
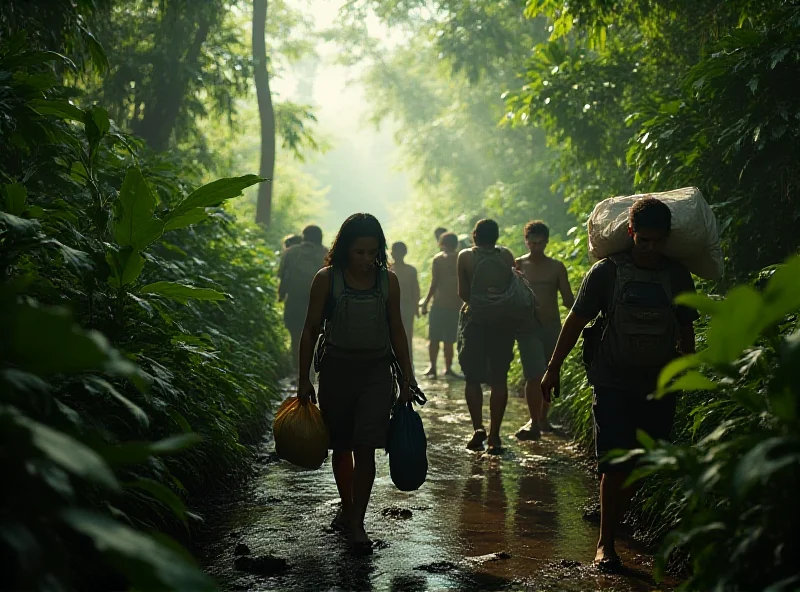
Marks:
<point>188,218</point>
<point>47,341</point>
<point>675,367</point>
<point>139,452</point>
<point>145,563</point>
<point>37,58</point>
<point>698,301</point>
<point>692,381</point>
<point>101,120</point>
<point>180,292</point>
<point>96,385</point>
<point>16,194</point>
<point>215,193</point>
<point>134,223</point>
<point>645,440</point>
<point>61,108</point>
<point>764,460</point>
<point>175,444</point>
<point>782,294</point>
<point>66,452</point>
<point>162,493</point>
<point>19,225</point>
<point>180,420</point>
<point>96,51</point>
<point>734,326</point>
<point>126,266</point>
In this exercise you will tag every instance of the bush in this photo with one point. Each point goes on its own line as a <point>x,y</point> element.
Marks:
<point>140,323</point>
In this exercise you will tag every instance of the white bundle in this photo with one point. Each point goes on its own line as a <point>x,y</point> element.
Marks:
<point>693,239</point>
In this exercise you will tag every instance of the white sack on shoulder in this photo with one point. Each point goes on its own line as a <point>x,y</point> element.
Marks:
<point>693,240</point>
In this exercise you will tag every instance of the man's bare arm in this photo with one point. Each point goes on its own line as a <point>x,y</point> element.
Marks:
<point>434,284</point>
<point>463,278</point>
<point>570,332</point>
<point>567,297</point>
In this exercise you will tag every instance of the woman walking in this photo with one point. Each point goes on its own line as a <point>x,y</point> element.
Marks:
<point>355,302</point>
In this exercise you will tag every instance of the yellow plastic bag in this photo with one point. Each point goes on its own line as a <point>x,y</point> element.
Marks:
<point>301,436</point>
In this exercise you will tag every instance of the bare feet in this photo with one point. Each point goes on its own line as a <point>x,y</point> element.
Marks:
<point>606,559</point>
<point>495,445</point>
<point>545,426</point>
<point>529,432</point>
<point>430,372</point>
<point>450,374</point>
<point>477,440</point>
<point>359,540</point>
<point>340,522</point>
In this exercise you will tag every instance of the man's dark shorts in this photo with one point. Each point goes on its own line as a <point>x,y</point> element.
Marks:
<point>485,352</point>
<point>618,414</point>
<point>356,399</point>
<point>443,325</point>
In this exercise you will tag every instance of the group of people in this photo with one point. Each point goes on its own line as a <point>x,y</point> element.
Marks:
<point>357,326</point>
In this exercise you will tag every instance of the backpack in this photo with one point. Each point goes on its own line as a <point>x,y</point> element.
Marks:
<point>357,326</point>
<point>499,293</point>
<point>641,329</point>
<point>308,261</point>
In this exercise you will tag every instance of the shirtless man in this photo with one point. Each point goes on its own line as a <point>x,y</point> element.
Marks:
<point>443,321</point>
<point>409,290</point>
<point>547,277</point>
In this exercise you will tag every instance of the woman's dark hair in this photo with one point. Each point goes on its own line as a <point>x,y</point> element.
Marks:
<point>486,233</point>
<point>649,212</point>
<point>355,227</point>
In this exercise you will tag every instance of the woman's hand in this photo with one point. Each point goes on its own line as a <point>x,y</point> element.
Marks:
<point>305,391</point>
<point>405,394</point>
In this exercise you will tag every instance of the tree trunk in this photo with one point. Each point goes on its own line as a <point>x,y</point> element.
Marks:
<point>266,113</point>
<point>161,114</point>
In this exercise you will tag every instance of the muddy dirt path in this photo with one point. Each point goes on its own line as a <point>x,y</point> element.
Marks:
<point>508,522</point>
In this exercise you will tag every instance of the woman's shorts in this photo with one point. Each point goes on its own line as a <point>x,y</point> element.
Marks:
<point>356,398</point>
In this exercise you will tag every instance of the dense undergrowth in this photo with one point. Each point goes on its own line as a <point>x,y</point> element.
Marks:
<point>140,342</point>
<point>719,499</point>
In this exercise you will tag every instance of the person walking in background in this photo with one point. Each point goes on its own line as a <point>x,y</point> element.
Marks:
<point>443,320</point>
<point>291,240</point>
<point>409,290</point>
<point>638,333</point>
<point>537,340</point>
<point>485,350</point>
<point>358,298</point>
<point>299,264</point>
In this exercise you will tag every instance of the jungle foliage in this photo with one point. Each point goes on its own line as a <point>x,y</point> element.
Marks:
<point>141,344</point>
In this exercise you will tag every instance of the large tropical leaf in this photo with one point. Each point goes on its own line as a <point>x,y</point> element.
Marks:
<point>180,292</point>
<point>215,193</point>
<point>146,563</point>
<point>135,224</point>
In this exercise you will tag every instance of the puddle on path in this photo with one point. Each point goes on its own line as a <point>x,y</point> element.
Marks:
<point>513,522</point>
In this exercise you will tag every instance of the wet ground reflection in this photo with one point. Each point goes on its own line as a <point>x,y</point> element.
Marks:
<point>512,522</point>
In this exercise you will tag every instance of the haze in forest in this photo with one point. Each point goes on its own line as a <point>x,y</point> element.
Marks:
<point>360,169</point>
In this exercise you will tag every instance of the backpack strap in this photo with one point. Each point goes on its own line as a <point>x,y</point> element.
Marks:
<point>383,283</point>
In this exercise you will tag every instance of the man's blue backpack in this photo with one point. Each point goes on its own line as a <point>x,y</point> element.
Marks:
<point>407,446</point>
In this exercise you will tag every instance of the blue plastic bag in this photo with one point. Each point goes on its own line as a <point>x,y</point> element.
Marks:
<point>407,447</point>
